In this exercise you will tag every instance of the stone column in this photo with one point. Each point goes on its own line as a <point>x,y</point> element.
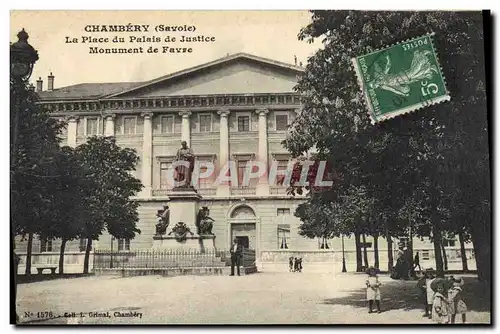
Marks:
<point>147,152</point>
<point>186,127</point>
<point>262,156</point>
<point>72,128</point>
<point>223,189</point>
<point>110,125</point>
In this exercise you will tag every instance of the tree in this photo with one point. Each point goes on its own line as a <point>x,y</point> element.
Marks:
<point>109,201</point>
<point>322,220</point>
<point>440,150</point>
<point>69,207</point>
<point>31,167</point>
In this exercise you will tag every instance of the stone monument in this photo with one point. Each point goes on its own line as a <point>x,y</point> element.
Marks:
<point>184,215</point>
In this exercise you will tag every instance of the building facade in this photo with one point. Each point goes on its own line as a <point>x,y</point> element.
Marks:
<point>236,108</point>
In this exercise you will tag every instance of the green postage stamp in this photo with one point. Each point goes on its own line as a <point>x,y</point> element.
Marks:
<point>401,78</point>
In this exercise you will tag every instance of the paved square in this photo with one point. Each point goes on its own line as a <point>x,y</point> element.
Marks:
<point>262,298</point>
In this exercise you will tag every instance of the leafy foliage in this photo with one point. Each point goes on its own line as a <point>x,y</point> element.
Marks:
<point>109,204</point>
<point>429,168</point>
<point>60,192</point>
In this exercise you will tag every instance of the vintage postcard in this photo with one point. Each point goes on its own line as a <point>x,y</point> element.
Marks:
<point>250,167</point>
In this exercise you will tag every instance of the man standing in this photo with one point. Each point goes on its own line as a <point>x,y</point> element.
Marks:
<point>236,250</point>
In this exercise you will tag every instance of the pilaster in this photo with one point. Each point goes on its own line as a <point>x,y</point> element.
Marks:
<point>147,152</point>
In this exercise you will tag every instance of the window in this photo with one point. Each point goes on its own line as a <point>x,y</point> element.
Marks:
<point>123,244</point>
<point>241,165</point>
<point>283,212</point>
<point>45,245</point>
<point>281,122</point>
<point>83,244</point>
<point>207,181</point>
<point>129,125</point>
<point>280,176</point>
<point>164,184</point>
<point>167,124</point>
<point>403,242</point>
<point>92,124</point>
<point>64,130</point>
<point>205,123</point>
<point>425,255</point>
<point>448,242</point>
<point>243,123</point>
<point>283,236</point>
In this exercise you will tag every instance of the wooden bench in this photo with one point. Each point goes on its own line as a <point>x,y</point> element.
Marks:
<point>41,268</point>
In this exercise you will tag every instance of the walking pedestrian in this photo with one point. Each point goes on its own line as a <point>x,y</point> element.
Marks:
<point>416,262</point>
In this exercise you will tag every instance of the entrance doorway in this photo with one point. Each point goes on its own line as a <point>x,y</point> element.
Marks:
<point>244,241</point>
<point>243,227</point>
<point>244,233</point>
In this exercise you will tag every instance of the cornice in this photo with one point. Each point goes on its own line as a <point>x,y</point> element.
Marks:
<point>177,103</point>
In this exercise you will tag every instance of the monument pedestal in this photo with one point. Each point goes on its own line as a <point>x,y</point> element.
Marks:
<point>183,207</point>
<point>191,242</point>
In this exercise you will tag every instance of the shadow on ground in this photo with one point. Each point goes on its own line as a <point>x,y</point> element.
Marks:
<point>24,279</point>
<point>404,295</point>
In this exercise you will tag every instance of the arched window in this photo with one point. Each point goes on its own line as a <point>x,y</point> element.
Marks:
<point>244,212</point>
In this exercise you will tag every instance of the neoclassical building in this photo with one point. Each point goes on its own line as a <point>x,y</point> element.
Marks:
<point>234,108</point>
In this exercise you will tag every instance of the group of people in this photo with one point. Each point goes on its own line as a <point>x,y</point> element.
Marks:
<point>403,269</point>
<point>442,297</point>
<point>295,264</point>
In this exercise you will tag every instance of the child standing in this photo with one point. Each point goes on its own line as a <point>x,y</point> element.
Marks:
<point>457,304</point>
<point>424,284</point>
<point>440,305</point>
<point>373,289</point>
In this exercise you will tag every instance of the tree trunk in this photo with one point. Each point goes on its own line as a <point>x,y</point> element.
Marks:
<point>61,256</point>
<point>375,251</point>
<point>410,252</point>
<point>481,240</point>
<point>390,255</point>
<point>365,253</point>
<point>87,256</point>
<point>436,236</point>
<point>463,255</point>
<point>482,257</point>
<point>445,258</point>
<point>29,250</point>
<point>359,262</point>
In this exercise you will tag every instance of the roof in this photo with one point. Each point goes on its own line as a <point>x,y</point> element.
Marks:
<point>108,90</point>
<point>86,90</point>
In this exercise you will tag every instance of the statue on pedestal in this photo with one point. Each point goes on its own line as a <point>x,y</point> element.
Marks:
<point>183,172</point>
<point>204,223</point>
<point>163,220</point>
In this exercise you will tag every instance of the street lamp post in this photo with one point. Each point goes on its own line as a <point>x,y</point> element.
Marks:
<point>344,270</point>
<point>111,256</point>
<point>22,59</point>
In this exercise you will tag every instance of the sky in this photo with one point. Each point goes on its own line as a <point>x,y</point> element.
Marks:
<point>269,34</point>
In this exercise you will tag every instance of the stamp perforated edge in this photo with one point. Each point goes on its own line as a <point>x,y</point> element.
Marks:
<point>373,118</point>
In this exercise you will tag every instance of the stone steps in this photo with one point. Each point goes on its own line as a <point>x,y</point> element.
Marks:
<point>199,271</point>
<point>165,261</point>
